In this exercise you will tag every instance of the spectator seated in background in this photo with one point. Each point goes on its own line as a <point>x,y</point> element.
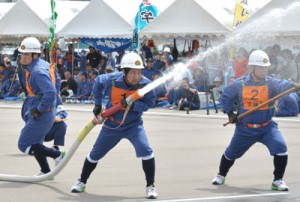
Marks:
<point>288,105</point>
<point>200,79</point>
<point>84,88</point>
<point>4,74</point>
<point>218,89</point>
<point>89,70</point>
<point>109,69</point>
<point>110,64</point>
<point>173,94</point>
<point>160,92</point>
<point>10,68</point>
<point>169,58</point>
<point>189,96</point>
<point>149,71</point>
<point>10,88</point>
<point>76,75</point>
<point>158,63</point>
<point>92,80</point>
<point>69,86</point>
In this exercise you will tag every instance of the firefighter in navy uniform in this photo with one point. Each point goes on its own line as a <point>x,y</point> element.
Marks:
<point>244,94</point>
<point>119,86</point>
<point>38,110</point>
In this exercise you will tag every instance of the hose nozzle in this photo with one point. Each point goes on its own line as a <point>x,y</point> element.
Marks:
<point>135,96</point>
<point>99,119</point>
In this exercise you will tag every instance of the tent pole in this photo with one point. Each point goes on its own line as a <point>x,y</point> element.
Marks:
<point>73,58</point>
<point>138,31</point>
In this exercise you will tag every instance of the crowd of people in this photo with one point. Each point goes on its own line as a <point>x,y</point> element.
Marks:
<point>210,75</point>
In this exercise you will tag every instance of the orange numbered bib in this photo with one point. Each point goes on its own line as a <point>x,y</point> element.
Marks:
<point>119,94</point>
<point>255,95</point>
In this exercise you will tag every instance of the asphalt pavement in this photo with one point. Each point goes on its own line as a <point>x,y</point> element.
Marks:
<point>187,148</point>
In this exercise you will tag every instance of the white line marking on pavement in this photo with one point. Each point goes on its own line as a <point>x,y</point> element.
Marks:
<point>153,113</point>
<point>212,116</point>
<point>223,197</point>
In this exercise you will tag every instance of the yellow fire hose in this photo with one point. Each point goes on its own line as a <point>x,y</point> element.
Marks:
<point>75,145</point>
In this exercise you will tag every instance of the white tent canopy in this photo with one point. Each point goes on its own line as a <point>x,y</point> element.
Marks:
<point>32,18</point>
<point>4,8</point>
<point>223,11</point>
<point>276,18</point>
<point>20,21</point>
<point>184,18</point>
<point>129,8</point>
<point>97,20</point>
<point>66,10</point>
<point>112,18</point>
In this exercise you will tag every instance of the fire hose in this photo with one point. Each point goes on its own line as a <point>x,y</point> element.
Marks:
<point>85,131</point>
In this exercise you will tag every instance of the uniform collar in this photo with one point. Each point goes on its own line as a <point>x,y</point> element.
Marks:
<point>32,65</point>
<point>248,78</point>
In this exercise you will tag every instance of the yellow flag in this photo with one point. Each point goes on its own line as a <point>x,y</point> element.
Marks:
<point>242,12</point>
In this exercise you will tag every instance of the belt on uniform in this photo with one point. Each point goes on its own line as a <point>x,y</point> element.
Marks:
<point>257,125</point>
<point>37,96</point>
<point>117,122</point>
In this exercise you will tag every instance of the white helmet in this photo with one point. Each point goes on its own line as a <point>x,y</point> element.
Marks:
<point>132,60</point>
<point>259,58</point>
<point>167,49</point>
<point>30,45</point>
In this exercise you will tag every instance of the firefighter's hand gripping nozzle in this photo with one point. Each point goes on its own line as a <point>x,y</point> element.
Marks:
<point>134,97</point>
<point>98,119</point>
